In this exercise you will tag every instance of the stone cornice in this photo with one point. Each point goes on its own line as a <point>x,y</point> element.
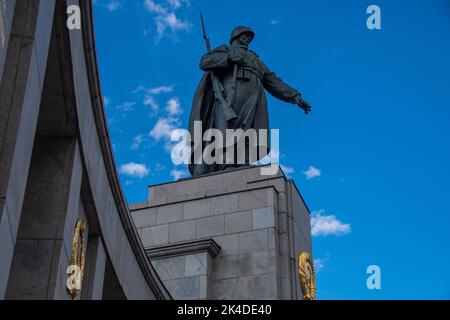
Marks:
<point>177,249</point>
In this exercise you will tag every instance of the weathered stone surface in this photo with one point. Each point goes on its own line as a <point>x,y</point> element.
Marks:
<point>7,12</point>
<point>273,238</point>
<point>224,204</point>
<point>170,268</point>
<point>285,289</point>
<point>197,209</point>
<point>19,105</point>
<point>182,231</point>
<point>282,202</point>
<point>282,222</point>
<point>185,289</point>
<point>169,213</point>
<point>236,266</point>
<point>154,236</point>
<point>264,218</point>
<point>43,33</point>
<point>253,241</point>
<point>258,287</point>
<point>226,289</point>
<point>284,266</point>
<point>204,287</point>
<point>94,275</point>
<point>284,244</point>
<point>34,262</point>
<point>58,276</point>
<point>144,218</point>
<point>264,262</point>
<point>6,252</point>
<point>138,205</point>
<point>300,212</point>
<point>238,222</point>
<point>229,244</point>
<point>253,199</point>
<point>249,221</point>
<point>196,264</point>
<point>211,226</point>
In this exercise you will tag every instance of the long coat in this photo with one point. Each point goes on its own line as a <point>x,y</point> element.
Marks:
<point>249,99</point>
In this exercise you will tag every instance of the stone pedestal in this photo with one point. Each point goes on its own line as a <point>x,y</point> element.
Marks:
<point>230,235</point>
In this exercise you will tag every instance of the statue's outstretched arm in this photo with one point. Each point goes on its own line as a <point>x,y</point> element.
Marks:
<point>276,87</point>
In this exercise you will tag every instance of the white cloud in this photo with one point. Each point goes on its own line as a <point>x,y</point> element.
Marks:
<point>116,147</point>
<point>274,157</point>
<point>138,141</point>
<point>150,101</point>
<point>159,168</point>
<point>287,170</point>
<point>177,174</point>
<point>161,89</point>
<point>312,173</point>
<point>106,101</point>
<point>322,225</point>
<point>155,90</point>
<point>173,107</point>
<point>136,170</point>
<point>274,22</point>
<point>165,19</point>
<point>113,5</point>
<point>154,7</point>
<point>126,106</point>
<point>112,121</point>
<point>319,264</point>
<point>171,21</point>
<point>139,89</point>
<point>163,128</point>
<point>176,4</point>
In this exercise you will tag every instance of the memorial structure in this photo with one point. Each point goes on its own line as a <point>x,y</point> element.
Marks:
<point>66,230</point>
<point>234,230</point>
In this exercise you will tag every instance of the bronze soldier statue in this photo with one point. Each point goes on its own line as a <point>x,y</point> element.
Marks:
<point>231,92</point>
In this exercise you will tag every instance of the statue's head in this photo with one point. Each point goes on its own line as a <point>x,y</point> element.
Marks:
<point>242,35</point>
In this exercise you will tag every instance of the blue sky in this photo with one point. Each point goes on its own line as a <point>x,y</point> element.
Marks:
<point>376,146</point>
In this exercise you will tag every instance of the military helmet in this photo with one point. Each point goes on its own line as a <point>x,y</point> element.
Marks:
<point>240,30</point>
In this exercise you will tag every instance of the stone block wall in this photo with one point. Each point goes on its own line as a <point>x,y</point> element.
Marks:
<point>247,214</point>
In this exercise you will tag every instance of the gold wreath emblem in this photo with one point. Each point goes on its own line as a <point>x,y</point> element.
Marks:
<point>307,275</point>
<point>78,256</point>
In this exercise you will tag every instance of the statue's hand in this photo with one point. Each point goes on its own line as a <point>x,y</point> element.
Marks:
<point>236,55</point>
<point>302,104</point>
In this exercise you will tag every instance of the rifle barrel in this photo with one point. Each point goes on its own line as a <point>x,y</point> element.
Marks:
<point>208,44</point>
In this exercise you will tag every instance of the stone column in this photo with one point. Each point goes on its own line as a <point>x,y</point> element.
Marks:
<point>23,58</point>
<point>51,207</point>
<point>94,274</point>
